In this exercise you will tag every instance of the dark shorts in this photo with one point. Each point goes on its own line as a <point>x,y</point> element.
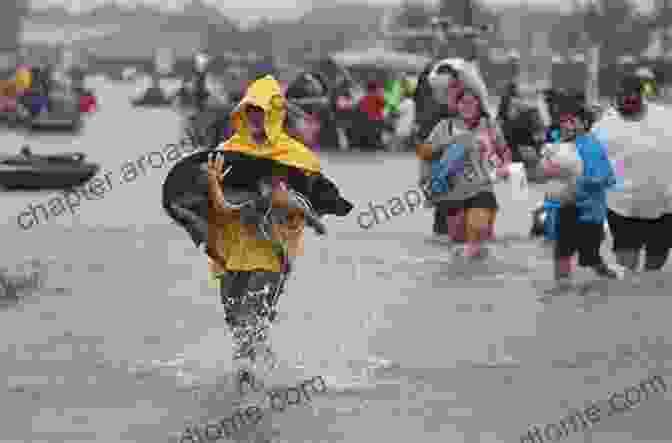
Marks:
<point>635,233</point>
<point>573,237</point>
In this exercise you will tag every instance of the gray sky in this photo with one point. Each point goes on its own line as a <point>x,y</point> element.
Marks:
<point>285,9</point>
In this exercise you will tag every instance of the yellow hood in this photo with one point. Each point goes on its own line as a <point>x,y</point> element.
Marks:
<point>267,94</point>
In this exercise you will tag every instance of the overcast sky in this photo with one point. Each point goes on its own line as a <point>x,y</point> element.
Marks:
<point>284,9</point>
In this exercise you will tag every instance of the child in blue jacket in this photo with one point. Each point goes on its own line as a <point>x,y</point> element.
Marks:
<point>580,225</point>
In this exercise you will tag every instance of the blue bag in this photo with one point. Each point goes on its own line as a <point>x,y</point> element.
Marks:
<point>552,135</point>
<point>450,164</point>
<point>552,210</point>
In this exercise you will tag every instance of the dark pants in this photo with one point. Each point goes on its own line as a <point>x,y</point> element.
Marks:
<point>250,300</point>
<point>573,237</point>
<point>440,225</point>
<point>442,210</point>
<point>635,234</point>
<point>250,293</point>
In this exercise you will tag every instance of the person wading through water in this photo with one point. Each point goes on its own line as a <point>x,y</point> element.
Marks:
<point>252,270</point>
<point>580,163</point>
<point>469,163</point>
<point>477,145</point>
<point>443,87</point>
<point>640,208</point>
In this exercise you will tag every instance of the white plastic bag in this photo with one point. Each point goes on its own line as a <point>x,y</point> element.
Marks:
<point>518,181</point>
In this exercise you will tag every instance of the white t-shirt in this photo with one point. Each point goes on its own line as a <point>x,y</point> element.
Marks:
<point>641,154</point>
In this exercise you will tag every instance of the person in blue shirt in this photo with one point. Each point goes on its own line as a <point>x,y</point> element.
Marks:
<point>580,225</point>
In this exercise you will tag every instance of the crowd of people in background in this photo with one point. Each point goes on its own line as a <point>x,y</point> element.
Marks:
<point>29,84</point>
<point>465,146</point>
<point>31,87</point>
<point>565,142</point>
<point>265,184</point>
<point>335,112</point>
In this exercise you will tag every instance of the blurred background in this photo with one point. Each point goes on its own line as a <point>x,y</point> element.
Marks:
<point>99,33</point>
<point>576,44</point>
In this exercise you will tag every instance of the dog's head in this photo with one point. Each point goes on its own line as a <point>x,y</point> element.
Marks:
<point>327,199</point>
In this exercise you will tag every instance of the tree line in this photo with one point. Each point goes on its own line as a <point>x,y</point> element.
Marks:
<point>618,26</point>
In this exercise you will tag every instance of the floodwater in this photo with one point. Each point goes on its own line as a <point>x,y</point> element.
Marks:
<point>126,342</point>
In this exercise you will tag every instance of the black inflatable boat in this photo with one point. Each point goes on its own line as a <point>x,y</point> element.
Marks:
<point>30,171</point>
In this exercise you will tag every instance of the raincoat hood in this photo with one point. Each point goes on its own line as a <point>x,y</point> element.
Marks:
<point>266,93</point>
<point>469,74</point>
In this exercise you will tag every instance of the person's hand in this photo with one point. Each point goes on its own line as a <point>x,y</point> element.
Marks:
<point>551,168</point>
<point>216,170</point>
<point>423,151</point>
<point>280,195</point>
<point>503,172</point>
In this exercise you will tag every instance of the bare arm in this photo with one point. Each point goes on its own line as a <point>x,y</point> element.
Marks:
<point>432,147</point>
<point>215,192</point>
<point>502,148</point>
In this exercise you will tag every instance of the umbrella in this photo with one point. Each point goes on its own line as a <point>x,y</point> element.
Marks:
<point>382,59</point>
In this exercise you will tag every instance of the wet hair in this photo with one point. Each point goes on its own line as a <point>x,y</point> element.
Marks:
<point>575,104</point>
<point>572,102</point>
<point>629,86</point>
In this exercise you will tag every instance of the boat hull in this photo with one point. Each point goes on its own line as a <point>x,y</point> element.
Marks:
<point>29,178</point>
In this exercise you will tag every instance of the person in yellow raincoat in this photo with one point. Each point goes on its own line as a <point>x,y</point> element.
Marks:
<point>18,84</point>
<point>23,79</point>
<point>248,268</point>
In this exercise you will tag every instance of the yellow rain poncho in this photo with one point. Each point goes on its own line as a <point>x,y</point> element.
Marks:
<point>23,78</point>
<point>236,244</point>
<point>267,94</point>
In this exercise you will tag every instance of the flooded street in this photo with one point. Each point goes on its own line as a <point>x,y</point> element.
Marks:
<point>126,341</point>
